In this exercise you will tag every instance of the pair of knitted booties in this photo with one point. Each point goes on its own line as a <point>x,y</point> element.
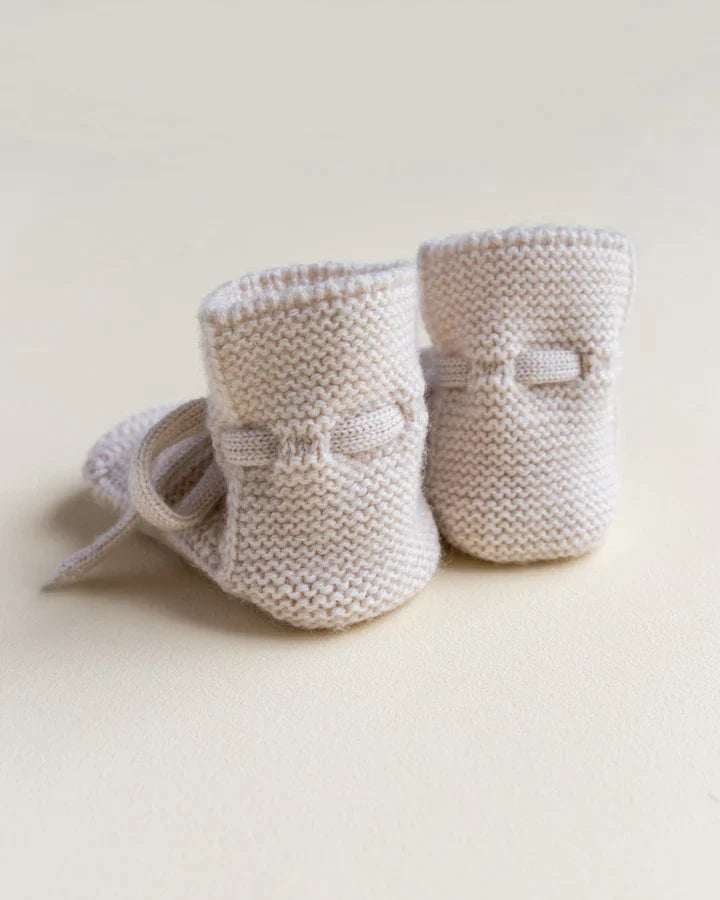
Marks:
<point>299,484</point>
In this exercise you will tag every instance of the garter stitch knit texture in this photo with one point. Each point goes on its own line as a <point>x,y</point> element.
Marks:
<point>314,430</point>
<point>525,325</point>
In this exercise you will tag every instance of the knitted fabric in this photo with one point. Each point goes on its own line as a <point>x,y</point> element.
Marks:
<point>317,422</point>
<point>525,325</point>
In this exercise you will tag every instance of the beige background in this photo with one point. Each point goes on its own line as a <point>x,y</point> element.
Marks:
<point>550,731</point>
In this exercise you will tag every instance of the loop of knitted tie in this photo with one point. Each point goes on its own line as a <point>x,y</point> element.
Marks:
<point>184,424</point>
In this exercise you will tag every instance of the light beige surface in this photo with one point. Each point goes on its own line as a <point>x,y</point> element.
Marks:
<point>550,731</point>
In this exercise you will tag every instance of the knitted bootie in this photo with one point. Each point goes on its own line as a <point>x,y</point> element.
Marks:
<point>297,484</point>
<point>525,325</point>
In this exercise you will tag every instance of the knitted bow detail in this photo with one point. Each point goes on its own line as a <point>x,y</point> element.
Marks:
<point>185,422</point>
<point>293,444</point>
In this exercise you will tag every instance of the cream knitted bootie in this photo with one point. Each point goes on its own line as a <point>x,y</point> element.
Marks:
<point>297,484</point>
<point>525,325</point>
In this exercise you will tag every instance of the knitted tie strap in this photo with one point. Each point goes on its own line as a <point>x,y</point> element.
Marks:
<point>185,422</point>
<point>347,437</point>
<point>239,447</point>
<point>539,366</point>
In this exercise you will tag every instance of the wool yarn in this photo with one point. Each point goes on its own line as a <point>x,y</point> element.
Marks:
<point>525,325</point>
<point>297,483</point>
